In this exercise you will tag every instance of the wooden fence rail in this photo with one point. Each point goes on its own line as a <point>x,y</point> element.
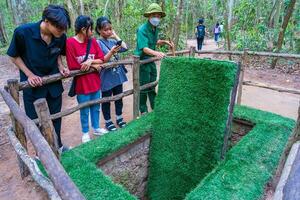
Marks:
<point>37,175</point>
<point>61,181</point>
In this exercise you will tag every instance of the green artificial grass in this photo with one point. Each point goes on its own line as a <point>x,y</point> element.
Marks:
<point>187,130</point>
<point>251,163</point>
<point>81,162</point>
<point>191,110</point>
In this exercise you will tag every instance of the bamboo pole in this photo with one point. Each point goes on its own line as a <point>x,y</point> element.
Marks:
<point>37,175</point>
<point>136,86</point>
<point>192,51</point>
<point>276,88</point>
<point>61,181</point>
<point>13,89</point>
<point>243,65</point>
<point>46,125</point>
<point>227,131</point>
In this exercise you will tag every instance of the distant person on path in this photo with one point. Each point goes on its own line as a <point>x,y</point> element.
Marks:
<point>200,34</point>
<point>112,78</point>
<point>147,39</point>
<point>87,86</point>
<point>36,49</point>
<point>221,30</point>
<point>217,31</point>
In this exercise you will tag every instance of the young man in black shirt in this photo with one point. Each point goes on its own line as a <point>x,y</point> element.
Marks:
<point>36,49</point>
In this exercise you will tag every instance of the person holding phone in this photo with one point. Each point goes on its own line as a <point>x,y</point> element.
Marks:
<point>112,78</point>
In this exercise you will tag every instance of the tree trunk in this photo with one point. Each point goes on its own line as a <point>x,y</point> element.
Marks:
<point>19,11</point>
<point>230,11</point>
<point>226,25</point>
<point>81,7</point>
<point>177,25</point>
<point>285,22</point>
<point>3,34</point>
<point>71,10</point>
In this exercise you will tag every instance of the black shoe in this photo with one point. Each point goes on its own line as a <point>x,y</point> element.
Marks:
<point>121,123</point>
<point>110,126</point>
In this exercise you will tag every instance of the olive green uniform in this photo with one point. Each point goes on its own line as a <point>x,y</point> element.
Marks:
<point>147,36</point>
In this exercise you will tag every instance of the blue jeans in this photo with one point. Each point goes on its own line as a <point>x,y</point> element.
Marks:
<point>84,112</point>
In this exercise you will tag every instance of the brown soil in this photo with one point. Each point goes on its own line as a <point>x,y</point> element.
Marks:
<point>11,185</point>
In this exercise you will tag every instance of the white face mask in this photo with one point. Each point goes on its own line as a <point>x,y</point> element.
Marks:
<point>154,21</point>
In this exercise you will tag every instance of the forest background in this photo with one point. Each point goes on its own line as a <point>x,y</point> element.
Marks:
<point>260,25</point>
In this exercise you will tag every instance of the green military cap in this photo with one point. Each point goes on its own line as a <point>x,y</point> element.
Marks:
<point>154,8</point>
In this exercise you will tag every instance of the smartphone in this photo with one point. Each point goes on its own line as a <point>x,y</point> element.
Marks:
<point>119,43</point>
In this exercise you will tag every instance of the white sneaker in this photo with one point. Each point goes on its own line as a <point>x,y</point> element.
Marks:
<point>100,131</point>
<point>85,138</point>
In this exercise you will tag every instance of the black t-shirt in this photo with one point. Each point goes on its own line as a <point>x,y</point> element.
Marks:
<point>39,57</point>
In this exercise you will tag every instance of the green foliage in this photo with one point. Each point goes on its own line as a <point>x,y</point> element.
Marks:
<point>251,163</point>
<point>189,123</point>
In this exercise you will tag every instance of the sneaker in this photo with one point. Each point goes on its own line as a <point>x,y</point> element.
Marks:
<point>63,149</point>
<point>85,138</point>
<point>110,126</point>
<point>121,123</point>
<point>100,131</point>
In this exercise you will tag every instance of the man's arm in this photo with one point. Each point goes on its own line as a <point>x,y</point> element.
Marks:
<point>151,52</point>
<point>33,79</point>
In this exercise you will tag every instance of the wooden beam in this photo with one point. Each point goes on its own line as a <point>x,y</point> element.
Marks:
<point>46,125</point>
<point>136,86</point>
<point>101,100</point>
<point>37,175</point>
<point>65,187</point>
<point>276,88</point>
<point>251,53</point>
<point>227,132</point>
<point>243,65</point>
<point>58,76</point>
<point>13,89</point>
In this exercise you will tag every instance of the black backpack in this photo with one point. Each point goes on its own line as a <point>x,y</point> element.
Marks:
<point>200,31</point>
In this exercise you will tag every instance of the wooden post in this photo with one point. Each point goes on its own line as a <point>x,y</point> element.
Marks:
<point>244,63</point>
<point>192,51</point>
<point>13,89</point>
<point>46,125</point>
<point>136,86</point>
<point>227,133</point>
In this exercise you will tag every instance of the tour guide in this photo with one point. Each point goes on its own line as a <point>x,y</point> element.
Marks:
<point>146,48</point>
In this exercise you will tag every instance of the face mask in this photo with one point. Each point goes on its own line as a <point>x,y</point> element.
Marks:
<point>154,21</point>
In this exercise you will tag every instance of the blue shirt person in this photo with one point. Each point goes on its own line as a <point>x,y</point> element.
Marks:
<point>36,49</point>
<point>112,79</point>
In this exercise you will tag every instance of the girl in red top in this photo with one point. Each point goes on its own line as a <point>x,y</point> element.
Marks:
<point>87,87</point>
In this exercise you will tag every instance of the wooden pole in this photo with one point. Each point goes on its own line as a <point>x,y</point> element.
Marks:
<point>65,187</point>
<point>13,89</point>
<point>136,86</point>
<point>192,51</point>
<point>243,65</point>
<point>35,171</point>
<point>227,131</point>
<point>46,125</point>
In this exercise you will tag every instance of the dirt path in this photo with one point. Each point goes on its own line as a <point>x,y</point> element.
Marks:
<point>13,188</point>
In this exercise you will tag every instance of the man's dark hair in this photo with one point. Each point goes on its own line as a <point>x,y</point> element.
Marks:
<point>101,23</point>
<point>200,21</point>
<point>83,21</point>
<point>58,16</point>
